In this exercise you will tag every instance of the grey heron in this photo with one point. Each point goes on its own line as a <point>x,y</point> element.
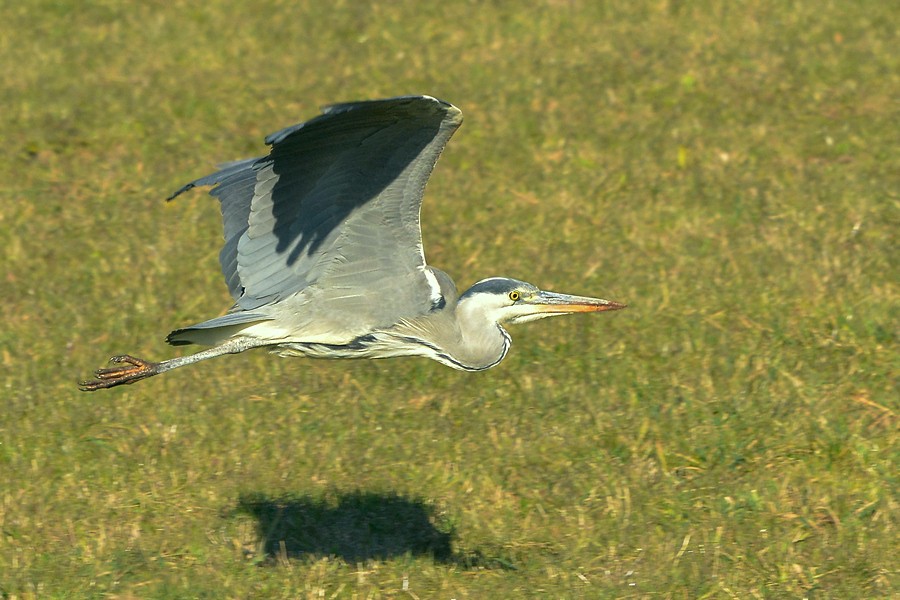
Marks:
<point>323,252</point>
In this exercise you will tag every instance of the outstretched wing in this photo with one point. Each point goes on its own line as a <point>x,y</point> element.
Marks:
<point>335,206</point>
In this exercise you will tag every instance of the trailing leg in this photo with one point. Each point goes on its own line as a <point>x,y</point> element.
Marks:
<point>134,369</point>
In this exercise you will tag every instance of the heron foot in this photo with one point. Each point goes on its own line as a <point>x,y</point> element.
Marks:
<point>134,369</point>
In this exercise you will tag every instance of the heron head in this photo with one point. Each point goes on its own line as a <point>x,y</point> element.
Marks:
<point>509,301</point>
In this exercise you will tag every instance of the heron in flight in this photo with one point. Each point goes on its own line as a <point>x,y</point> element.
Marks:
<point>323,252</point>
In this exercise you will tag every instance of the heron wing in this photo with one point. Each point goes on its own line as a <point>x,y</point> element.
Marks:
<point>335,205</point>
<point>234,185</point>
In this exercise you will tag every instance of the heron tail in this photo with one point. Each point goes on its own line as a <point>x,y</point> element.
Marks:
<point>215,331</point>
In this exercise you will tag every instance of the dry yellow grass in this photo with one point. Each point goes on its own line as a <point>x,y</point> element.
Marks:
<point>728,169</point>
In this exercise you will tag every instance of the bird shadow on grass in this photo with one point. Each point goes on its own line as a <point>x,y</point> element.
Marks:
<point>356,527</point>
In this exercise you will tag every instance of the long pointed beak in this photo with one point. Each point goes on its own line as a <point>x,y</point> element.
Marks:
<point>551,302</point>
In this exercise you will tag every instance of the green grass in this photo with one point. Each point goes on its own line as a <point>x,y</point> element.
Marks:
<point>728,169</point>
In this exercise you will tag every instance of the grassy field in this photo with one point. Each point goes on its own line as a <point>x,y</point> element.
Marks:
<point>730,170</point>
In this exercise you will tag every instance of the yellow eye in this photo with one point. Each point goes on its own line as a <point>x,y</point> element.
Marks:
<point>514,295</point>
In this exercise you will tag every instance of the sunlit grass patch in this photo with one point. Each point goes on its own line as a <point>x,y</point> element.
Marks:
<point>728,170</point>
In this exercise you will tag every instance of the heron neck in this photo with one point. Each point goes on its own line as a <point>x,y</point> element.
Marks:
<point>482,342</point>
<point>461,335</point>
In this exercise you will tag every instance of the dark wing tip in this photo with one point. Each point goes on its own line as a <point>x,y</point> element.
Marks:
<point>423,102</point>
<point>181,190</point>
<point>225,171</point>
<point>411,106</point>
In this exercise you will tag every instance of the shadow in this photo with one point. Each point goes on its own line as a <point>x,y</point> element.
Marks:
<point>355,527</point>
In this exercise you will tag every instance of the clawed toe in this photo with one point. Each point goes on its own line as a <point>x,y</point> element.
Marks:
<point>135,370</point>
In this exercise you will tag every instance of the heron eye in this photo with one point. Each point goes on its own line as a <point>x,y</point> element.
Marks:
<point>514,296</point>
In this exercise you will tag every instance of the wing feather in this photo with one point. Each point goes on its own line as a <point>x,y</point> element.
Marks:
<point>335,206</point>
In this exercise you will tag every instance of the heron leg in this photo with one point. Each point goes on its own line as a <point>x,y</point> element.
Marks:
<point>134,369</point>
